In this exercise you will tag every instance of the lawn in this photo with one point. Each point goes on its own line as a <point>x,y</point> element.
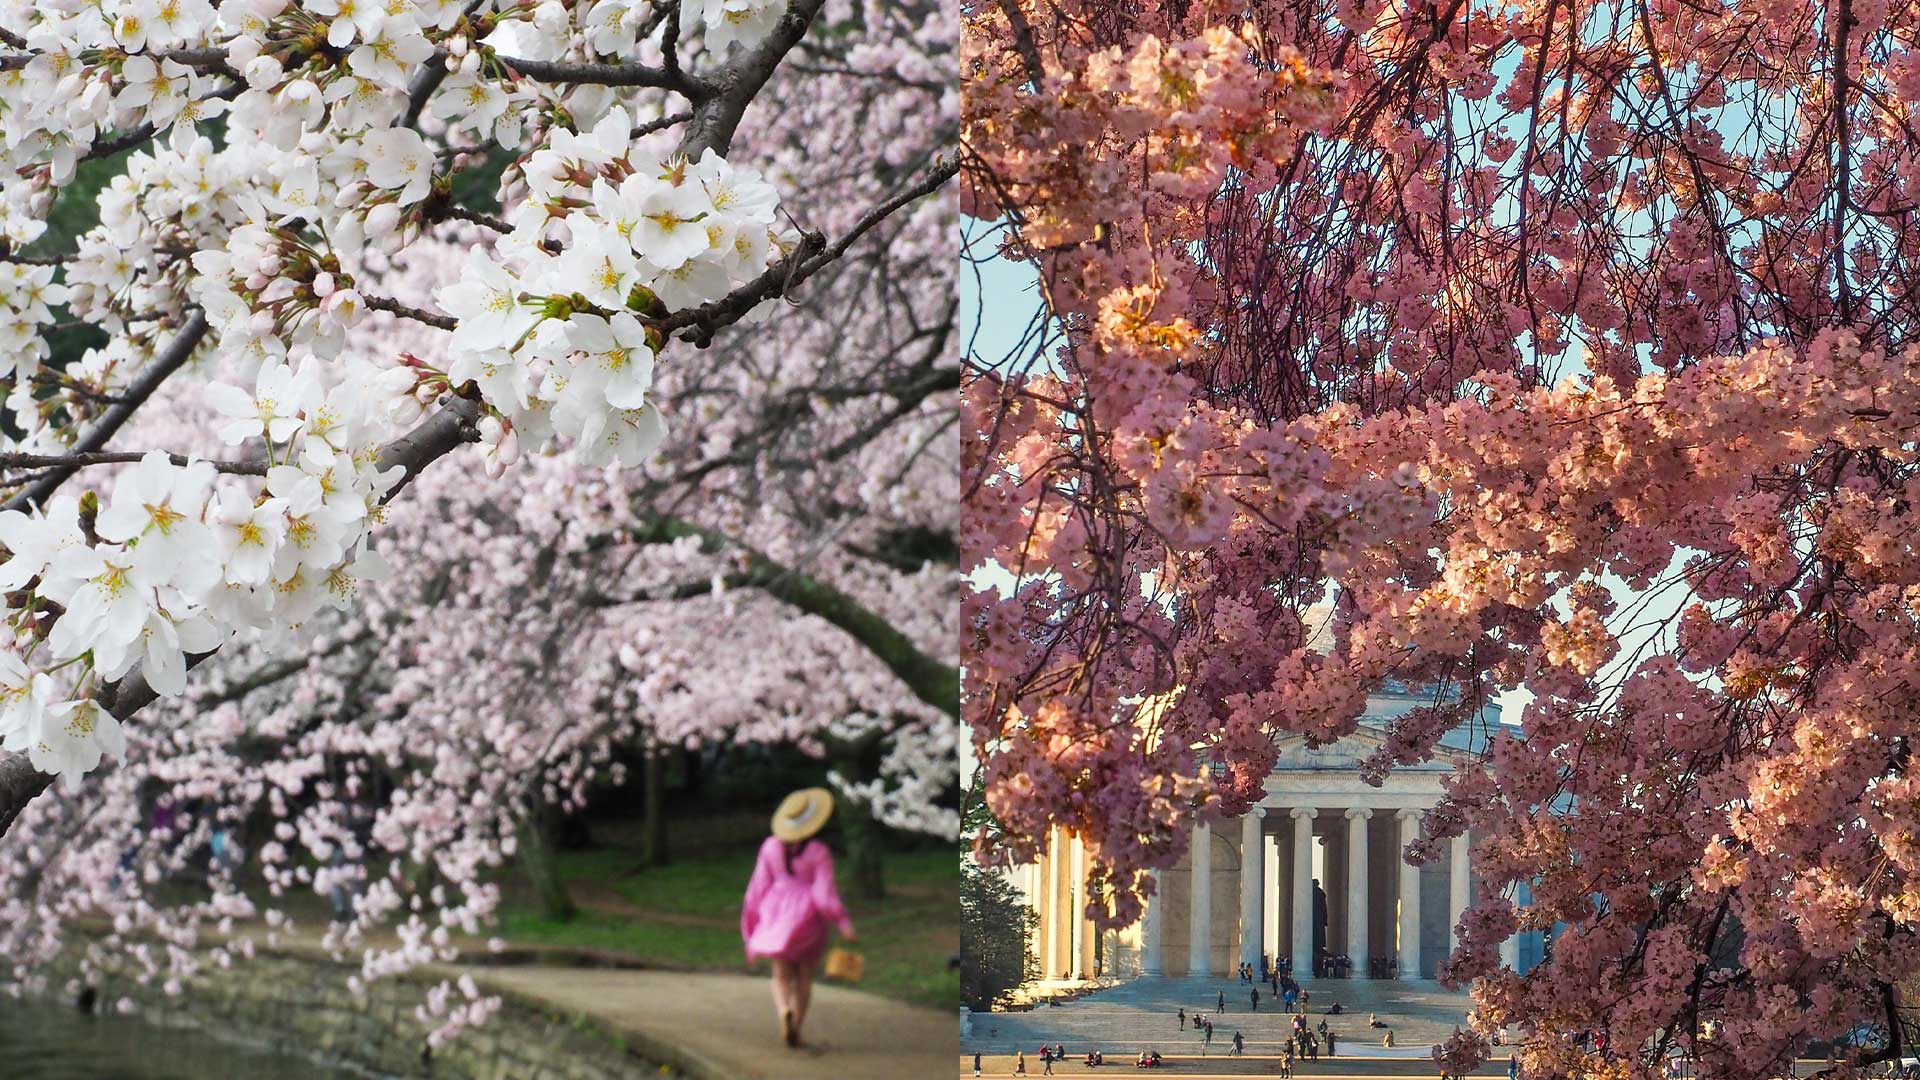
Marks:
<point>687,914</point>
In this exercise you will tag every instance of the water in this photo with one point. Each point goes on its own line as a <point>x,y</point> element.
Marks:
<point>45,1042</point>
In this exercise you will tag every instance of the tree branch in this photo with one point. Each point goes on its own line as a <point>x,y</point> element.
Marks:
<point>119,457</point>
<point>931,680</point>
<point>810,258</point>
<point>169,361</point>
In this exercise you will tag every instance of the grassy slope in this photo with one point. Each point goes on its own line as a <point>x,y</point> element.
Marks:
<point>687,914</point>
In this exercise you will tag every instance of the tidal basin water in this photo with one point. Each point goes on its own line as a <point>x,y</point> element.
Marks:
<point>47,1042</point>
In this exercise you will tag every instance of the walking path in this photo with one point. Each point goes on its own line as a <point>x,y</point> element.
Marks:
<point>722,1027</point>
<point>708,1025</point>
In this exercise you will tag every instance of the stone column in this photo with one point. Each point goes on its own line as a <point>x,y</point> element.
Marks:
<point>1150,929</point>
<point>1037,900</point>
<point>1079,952</point>
<point>1200,912</point>
<point>1458,877</point>
<point>1409,896</point>
<point>1055,963</point>
<point>1252,886</point>
<point>1302,946</point>
<point>1357,892</point>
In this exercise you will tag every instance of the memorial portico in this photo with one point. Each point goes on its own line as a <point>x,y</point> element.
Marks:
<point>1313,872</point>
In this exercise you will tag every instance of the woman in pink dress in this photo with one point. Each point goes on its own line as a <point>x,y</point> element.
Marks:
<point>790,903</point>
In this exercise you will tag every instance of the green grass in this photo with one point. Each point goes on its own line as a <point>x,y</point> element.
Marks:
<point>687,914</point>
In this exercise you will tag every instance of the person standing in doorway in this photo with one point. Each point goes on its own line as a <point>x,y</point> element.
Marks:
<point>790,903</point>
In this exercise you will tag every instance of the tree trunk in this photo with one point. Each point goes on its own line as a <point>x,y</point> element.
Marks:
<point>653,828</point>
<point>865,857</point>
<point>537,858</point>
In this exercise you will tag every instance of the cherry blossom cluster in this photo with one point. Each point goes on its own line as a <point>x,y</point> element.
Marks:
<point>1455,363</point>
<point>550,322</point>
<point>167,566</point>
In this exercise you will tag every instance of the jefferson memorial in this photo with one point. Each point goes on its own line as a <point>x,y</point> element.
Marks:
<point>1313,874</point>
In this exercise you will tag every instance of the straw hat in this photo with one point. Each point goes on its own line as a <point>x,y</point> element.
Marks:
<point>802,813</point>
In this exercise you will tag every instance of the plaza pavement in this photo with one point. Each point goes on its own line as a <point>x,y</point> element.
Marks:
<point>1140,1014</point>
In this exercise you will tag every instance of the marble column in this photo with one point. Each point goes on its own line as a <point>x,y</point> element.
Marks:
<point>1079,954</point>
<point>1302,945</point>
<point>1150,929</point>
<point>1055,964</point>
<point>1252,887</point>
<point>1409,896</point>
<point>1200,912</point>
<point>1458,876</point>
<point>1357,888</point>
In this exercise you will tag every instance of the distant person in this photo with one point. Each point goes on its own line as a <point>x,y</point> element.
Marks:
<point>1286,1058</point>
<point>790,903</point>
<point>1335,1009</point>
<point>1183,1018</point>
<point>1046,1062</point>
<point>1256,999</point>
<point>1019,1063</point>
<point>1239,1045</point>
<point>1207,1040</point>
<point>976,1063</point>
<point>1329,1044</point>
<point>1223,1001</point>
<point>1388,1041</point>
<point>1373,1021</point>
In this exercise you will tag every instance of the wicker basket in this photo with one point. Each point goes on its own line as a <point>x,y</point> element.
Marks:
<point>845,964</point>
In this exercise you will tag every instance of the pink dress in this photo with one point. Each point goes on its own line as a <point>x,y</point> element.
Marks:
<point>786,914</point>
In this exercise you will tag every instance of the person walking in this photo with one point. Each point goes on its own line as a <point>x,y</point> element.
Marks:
<point>1019,1063</point>
<point>1046,1063</point>
<point>1286,1058</point>
<point>1329,1044</point>
<point>1223,1001</point>
<point>1183,1018</point>
<point>790,902</point>
<point>1207,1040</point>
<point>1256,999</point>
<point>1239,1045</point>
<point>976,1063</point>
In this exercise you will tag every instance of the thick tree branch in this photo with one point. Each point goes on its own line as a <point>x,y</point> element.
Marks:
<point>931,680</point>
<point>730,90</point>
<point>119,457</point>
